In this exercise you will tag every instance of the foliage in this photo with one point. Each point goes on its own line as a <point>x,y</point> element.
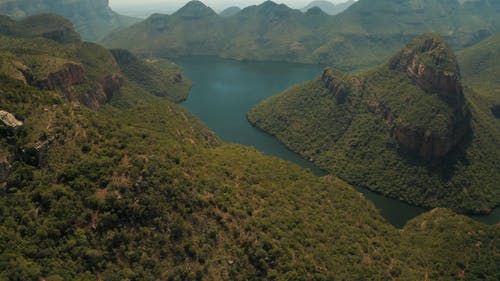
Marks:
<point>141,190</point>
<point>348,140</point>
<point>158,76</point>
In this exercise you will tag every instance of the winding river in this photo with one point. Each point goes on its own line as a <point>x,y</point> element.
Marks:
<point>225,90</point>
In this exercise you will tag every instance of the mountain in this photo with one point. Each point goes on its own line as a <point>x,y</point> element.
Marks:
<point>229,12</point>
<point>329,7</point>
<point>141,190</point>
<point>92,18</point>
<point>48,26</point>
<point>408,129</point>
<point>364,35</point>
<point>480,70</point>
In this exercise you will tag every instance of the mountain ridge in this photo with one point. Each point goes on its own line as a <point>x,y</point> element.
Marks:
<point>363,35</point>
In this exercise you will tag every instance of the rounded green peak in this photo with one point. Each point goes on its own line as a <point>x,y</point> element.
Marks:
<point>195,9</point>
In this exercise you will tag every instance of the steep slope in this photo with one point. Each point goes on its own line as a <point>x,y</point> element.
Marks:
<point>229,12</point>
<point>82,72</point>
<point>329,7</point>
<point>92,18</point>
<point>141,190</point>
<point>479,67</point>
<point>366,34</point>
<point>158,76</point>
<point>403,129</point>
<point>48,26</point>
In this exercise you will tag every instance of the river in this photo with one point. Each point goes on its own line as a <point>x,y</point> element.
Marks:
<point>225,90</point>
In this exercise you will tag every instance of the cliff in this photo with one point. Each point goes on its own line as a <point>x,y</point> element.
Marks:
<point>431,65</point>
<point>337,83</point>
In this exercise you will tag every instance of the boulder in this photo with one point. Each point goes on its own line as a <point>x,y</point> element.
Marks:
<point>10,123</point>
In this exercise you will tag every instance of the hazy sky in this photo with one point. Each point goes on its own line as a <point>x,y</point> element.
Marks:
<point>215,4</point>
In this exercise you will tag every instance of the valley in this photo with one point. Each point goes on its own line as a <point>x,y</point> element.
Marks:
<point>243,146</point>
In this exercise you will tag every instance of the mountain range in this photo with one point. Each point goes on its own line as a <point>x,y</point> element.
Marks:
<point>329,7</point>
<point>363,35</point>
<point>92,18</point>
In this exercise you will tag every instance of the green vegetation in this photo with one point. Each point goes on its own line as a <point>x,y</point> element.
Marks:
<point>141,190</point>
<point>92,18</point>
<point>157,76</point>
<point>480,69</point>
<point>42,25</point>
<point>364,35</point>
<point>373,136</point>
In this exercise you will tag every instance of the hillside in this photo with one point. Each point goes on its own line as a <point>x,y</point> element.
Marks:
<point>364,35</point>
<point>407,129</point>
<point>92,18</point>
<point>480,69</point>
<point>229,12</point>
<point>141,190</point>
<point>329,7</point>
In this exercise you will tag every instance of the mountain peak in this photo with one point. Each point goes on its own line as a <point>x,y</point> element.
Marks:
<point>430,62</point>
<point>195,10</point>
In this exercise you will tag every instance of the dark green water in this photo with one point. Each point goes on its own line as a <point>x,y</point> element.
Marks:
<point>224,91</point>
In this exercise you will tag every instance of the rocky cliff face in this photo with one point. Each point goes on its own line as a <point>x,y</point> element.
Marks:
<point>336,82</point>
<point>430,64</point>
<point>93,95</point>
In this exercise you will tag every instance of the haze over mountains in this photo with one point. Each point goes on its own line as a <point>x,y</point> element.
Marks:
<point>93,19</point>
<point>329,7</point>
<point>363,35</point>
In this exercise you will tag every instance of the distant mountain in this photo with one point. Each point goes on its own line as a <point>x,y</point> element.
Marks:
<point>229,12</point>
<point>92,18</point>
<point>364,35</point>
<point>407,129</point>
<point>48,26</point>
<point>480,67</point>
<point>329,7</point>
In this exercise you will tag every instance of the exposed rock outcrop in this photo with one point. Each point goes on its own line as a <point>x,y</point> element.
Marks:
<point>9,122</point>
<point>337,83</point>
<point>70,74</point>
<point>431,65</point>
<point>111,84</point>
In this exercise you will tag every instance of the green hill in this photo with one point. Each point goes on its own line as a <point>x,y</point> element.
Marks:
<point>407,129</point>
<point>92,18</point>
<point>366,34</point>
<point>328,7</point>
<point>141,190</point>
<point>479,67</point>
<point>48,26</point>
<point>230,11</point>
